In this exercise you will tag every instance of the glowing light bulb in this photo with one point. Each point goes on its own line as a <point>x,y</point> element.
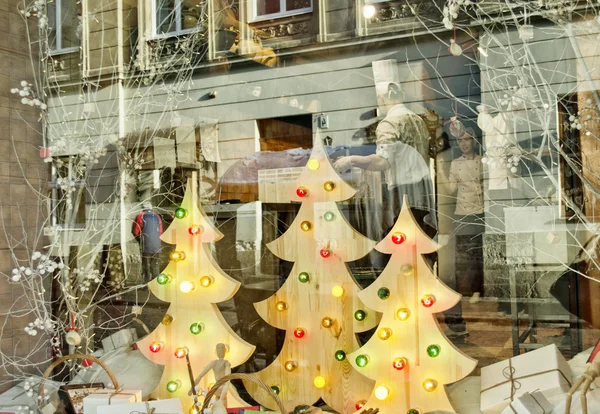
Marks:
<point>428,301</point>
<point>369,11</point>
<point>186,286</point>
<point>156,346</point>
<point>301,192</point>
<point>327,322</point>
<point>403,314</point>
<point>313,164</point>
<point>181,352</point>
<point>173,386</point>
<point>383,293</point>
<point>384,333</point>
<point>167,320</point>
<point>381,392</point>
<point>319,382</point>
<point>303,277</point>
<point>299,333</point>
<point>329,216</point>
<point>360,404</point>
<point>337,291</point>
<point>406,269</point>
<point>305,225</point>
<point>398,237</point>
<point>325,253</point>
<point>177,256</point>
<point>196,328</point>
<point>180,212</point>
<point>163,279</point>
<point>195,230</point>
<point>275,389</point>
<point>362,360</point>
<point>206,281</point>
<point>399,363</point>
<point>290,366</point>
<point>433,350</point>
<point>360,315</point>
<point>329,186</point>
<point>340,355</point>
<point>281,306</point>
<point>429,384</point>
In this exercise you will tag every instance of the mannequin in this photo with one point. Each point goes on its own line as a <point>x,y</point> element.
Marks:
<point>147,228</point>
<point>402,151</point>
<point>220,367</point>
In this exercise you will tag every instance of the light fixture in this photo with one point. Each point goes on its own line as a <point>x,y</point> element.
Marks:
<point>325,253</point>
<point>337,291</point>
<point>406,269</point>
<point>313,164</point>
<point>360,315</point>
<point>360,404</point>
<point>303,277</point>
<point>177,256</point>
<point>275,389</point>
<point>196,328</point>
<point>381,392</point>
<point>156,346</point>
<point>340,355</point>
<point>206,281</point>
<point>428,300</point>
<point>329,216</point>
<point>433,351</point>
<point>429,384</point>
<point>329,186</point>
<point>305,225</point>
<point>186,286</point>
<point>383,293</point>
<point>362,360</point>
<point>319,382</point>
<point>167,320</point>
<point>173,386</point>
<point>326,322</point>
<point>290,366</point>
<point>384,333</point>
<point>163,279</point>
<point>181,352</point>
<point>403,314</point>
<point>399,363</point>
<point>369,11</point>
<point>195,229</point>
<point>398,237</point>
<point>299,333</point>
<point>180,212</point>
<point>301,192</point>
<point>281,306</point>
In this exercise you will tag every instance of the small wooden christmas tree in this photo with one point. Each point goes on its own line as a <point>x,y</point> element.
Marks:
<point>193,283</point>
<point>409,357</point>
<point>315,305</point>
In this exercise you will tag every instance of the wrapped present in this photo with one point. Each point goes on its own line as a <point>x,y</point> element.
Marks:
<point>109,397</point>
<point>538,370</point>
<point>171,406</point>
<point>534,403</point>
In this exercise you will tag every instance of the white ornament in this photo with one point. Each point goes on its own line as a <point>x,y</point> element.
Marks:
<point>73,338</point>
<point>455,48</point>
<point>457,129</point>
<point>24,83</point>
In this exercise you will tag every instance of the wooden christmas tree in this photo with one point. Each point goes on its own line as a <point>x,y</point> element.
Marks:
<point>315,305</point>
<point>409,357</point>
<point>192,283</point>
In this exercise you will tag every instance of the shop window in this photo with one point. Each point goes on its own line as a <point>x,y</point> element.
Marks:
<point>177,17</point>
<point>64,26</point>
<point>268,9</point>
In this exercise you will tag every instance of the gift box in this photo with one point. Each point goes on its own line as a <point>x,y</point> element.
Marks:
<point>538,370</point>
<point>171,406</point>
<point>534,403</point>
<point>109,397</point>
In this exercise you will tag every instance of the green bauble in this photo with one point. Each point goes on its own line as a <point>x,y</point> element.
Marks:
<point>275,389</point>
<point>360,315</point>
<point>303,277</point>
<point>383,293</point>
<point>433,351</point>
<point>180,212</point>
<point>340,355</point>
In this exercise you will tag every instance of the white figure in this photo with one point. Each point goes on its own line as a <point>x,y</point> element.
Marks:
<point>220,367</point>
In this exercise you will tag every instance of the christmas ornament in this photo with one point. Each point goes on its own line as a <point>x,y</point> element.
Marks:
<point>457,129</point>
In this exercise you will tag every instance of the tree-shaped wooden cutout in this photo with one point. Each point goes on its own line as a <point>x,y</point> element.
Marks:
<point>315,305</point>
<point>193,283</point>
<point>409,357</point>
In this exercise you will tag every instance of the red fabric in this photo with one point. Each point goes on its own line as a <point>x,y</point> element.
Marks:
<point>138,224</point>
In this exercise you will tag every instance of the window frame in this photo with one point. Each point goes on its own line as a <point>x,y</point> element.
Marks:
<point>179,31</point>
<point>256,18</point>
<point>59,50</point>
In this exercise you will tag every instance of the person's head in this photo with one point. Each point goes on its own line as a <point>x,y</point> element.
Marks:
<point>221,350</point>
<point>388,95</point>
<point>466,142</point>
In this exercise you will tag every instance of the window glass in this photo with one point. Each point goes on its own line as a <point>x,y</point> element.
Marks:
<point>264,7</point>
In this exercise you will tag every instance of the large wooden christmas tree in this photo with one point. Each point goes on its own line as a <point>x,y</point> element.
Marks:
<point>192,283</point>
<point>410,358</point>
<point>316,304</point>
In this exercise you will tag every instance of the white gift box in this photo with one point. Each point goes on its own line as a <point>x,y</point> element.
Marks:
<point>542,369</point>
<point>119,339</point>
<point>534,403</point>
<point>109,397</point>
<point>171,406</point>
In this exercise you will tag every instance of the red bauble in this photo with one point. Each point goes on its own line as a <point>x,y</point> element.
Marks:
<point>325,253</point>
<point>155,347</point>
<point>87,362</point>
<point>299,333</point>
<point>398,238</point>
<point>360,404</point>
<point>301,192</point>
<point>194,230</point>
<point>428,301</point>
